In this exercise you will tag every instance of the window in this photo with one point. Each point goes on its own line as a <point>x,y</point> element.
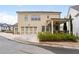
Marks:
<point>26,17</point>
<point>43,28</point>
<point>47,28</point>
<point>56,27</point>
<point>35,18</point>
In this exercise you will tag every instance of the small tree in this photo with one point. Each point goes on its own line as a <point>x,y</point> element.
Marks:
<point>65,27</point>
<point>71,25</point>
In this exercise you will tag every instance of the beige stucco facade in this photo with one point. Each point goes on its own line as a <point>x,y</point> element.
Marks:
<point>27,25</point>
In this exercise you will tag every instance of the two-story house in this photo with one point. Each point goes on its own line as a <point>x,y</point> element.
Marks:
<point>74,12</point>
<point>39,21</point>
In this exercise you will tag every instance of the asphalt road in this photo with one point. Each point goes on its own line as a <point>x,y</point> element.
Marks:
<point>12,47</point>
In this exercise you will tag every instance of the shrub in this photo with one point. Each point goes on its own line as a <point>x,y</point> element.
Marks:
<point>70,37</point>
<point>46,36</point>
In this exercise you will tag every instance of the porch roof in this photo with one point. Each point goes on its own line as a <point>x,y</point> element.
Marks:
<point>58,20</point>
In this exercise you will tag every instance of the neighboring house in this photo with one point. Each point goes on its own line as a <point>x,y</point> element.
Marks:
<point>74,12</point>
<point>11,27</point>
<point>0,27</point>
<point>5,27</point>
<point>31,22</point>
<point>15,27</point>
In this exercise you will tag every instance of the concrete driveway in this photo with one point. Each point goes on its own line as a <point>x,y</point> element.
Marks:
<point>12,47</point>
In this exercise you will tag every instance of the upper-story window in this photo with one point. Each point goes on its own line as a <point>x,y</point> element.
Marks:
<point>35,18</point>
<point>26,17</point>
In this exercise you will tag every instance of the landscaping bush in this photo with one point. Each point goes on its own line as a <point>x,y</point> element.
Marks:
<point>46,36</point>
<point>70,37</point>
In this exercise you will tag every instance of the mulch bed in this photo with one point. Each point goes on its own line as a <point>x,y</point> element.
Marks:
<point>73,44</point>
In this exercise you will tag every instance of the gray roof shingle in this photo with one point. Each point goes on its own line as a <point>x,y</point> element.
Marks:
<point>76,7</point>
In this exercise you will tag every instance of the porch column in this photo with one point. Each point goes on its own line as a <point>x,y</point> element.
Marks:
<point>52,26</point>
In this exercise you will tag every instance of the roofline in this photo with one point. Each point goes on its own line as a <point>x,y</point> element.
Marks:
<point>37,12</point>
<point>60,18</point>
<point>73,6</point>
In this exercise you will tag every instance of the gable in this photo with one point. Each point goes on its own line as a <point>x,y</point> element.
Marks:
<point>72,12</point>
<point>76,7</point>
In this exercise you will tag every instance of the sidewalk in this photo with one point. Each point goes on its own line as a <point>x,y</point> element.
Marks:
<point>32,39</point>
<point>28,37</point>
<point>7,35</point>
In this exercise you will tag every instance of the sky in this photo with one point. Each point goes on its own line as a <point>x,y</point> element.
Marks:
<point>8,12</point>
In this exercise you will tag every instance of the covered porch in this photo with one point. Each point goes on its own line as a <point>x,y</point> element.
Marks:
<point>53,25</point>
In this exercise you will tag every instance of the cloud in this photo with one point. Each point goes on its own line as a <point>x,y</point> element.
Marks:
<point>7,18</point>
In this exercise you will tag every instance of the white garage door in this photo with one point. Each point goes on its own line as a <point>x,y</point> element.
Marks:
<point>31,30</point>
